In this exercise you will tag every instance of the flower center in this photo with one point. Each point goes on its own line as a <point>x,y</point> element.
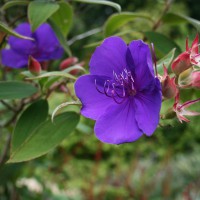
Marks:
<point>120,87</point>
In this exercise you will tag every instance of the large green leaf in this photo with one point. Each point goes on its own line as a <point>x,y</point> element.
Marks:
<point>103,2</point>
<point>173,18</point>
<point>14,3</point>
<point>16,90</point>
<point>30,119</point>
<point>63,17</point>
<point>60,37</point>
<point>45,137</point>
<point>5,29</point>
<point>163,45</point>
<point>115,21</point>
<point>40,11</point>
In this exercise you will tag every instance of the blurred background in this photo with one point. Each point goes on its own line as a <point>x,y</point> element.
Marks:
<point>165,166</point>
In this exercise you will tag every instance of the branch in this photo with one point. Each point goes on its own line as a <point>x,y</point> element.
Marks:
<point>5,151</point>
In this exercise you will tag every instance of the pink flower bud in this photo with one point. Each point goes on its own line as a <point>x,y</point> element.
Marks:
<point>181,63</point>
<point>169,89</point>
<point>34,66</point>
<point>188,58</point>
<point>68,62</point>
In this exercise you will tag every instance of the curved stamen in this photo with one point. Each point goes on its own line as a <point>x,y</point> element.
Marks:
<point>118,102</point>
<point>115,91</point>
<point>97,87</point>
<point>120,87</point>
<point>106,91</point>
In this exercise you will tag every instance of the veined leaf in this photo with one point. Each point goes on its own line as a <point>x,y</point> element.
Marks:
<point>115,21</point>
<point>63,17</point>
<point>40,11</point>
<point>45,137</point>
<point>4,28</point>
<point>16,90</point>
<point>30,119</point>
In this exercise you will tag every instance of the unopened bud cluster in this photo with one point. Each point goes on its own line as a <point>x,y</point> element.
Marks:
<point>185,76</point>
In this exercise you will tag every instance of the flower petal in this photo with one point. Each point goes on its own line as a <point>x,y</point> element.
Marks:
<point>108,57</point>
<point>147,110</point>
<point>48,44</point>
<point>118,124</point>
<point>27,47</point>
<point>94,103</point>
<point>140,62</point>
<point>12,59</point>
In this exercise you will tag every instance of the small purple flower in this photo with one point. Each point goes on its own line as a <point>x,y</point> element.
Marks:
<point>45,46</point>
<point>121,93</point>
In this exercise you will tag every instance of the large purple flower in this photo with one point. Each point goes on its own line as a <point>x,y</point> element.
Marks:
<point>45,46</point>
<point>121,93</point>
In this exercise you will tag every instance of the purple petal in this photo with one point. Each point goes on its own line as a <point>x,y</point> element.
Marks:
<point>108,57</point>
<point>147,110</point>
<point>118,124</point>
<point>21,45</point>
<point>94,103</point>
<point>48,44</point>
<point>140,63</point>
<point>12,59</point>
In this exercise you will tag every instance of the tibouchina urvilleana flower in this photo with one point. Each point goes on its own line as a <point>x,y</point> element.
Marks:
<point>44,46</point>
<point>121,93</point>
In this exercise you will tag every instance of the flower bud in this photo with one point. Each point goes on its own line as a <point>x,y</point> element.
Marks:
<point>68,62</point>
<point>181,63</point>
<point>184,79</point>
<point>169,88</point>
<point>34,66</point>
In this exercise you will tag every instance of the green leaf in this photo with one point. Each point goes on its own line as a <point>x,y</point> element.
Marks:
<point>9,31</point>
<point>74,67</point>
<point>16,90</point>
<point>107,3</point>
<point>14,3</point>
<point>45,137</point>
<point>115,21</point>
<point>166,60</point>
<point>30,119</point>
<point>40,11</point>
<point>60,37</point>
<point>56,73</point>
<point>173,18</point>
<point>163,45</point>
<point>63,17</point>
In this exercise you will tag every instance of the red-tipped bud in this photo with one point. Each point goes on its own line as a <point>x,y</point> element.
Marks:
<point>181,63</point>
<point>169,89</point>
<point>68,62</point>
<point>34,66</point>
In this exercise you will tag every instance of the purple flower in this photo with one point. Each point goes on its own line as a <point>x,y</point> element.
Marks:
<point>121,93</point>
<point>45,46</point>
